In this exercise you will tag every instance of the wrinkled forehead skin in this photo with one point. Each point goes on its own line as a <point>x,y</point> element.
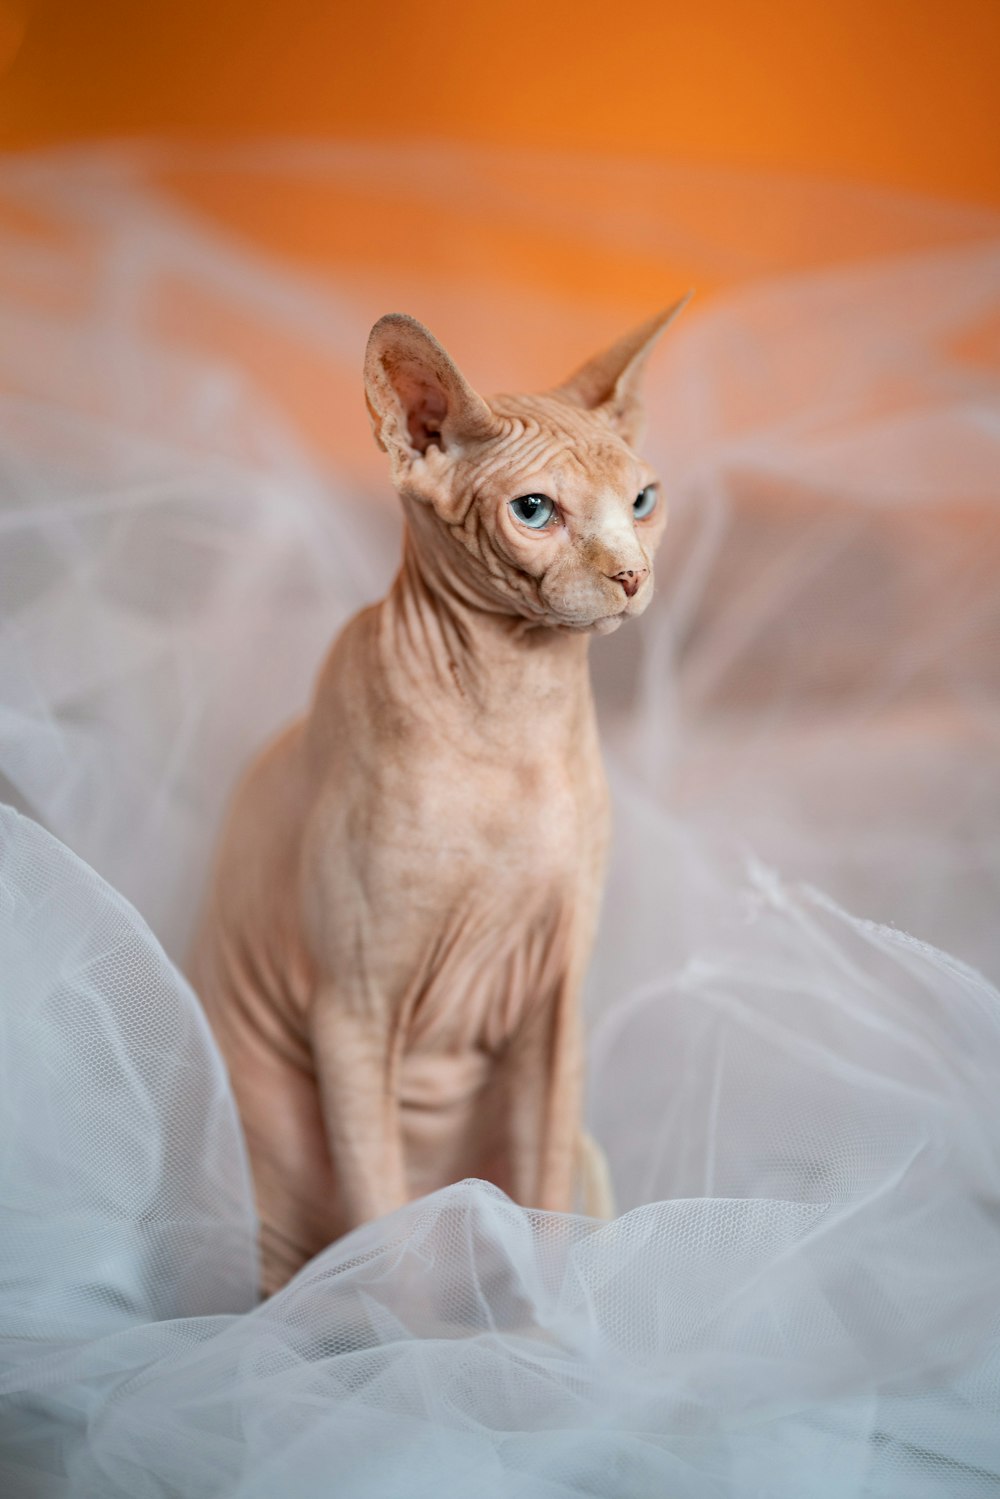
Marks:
<point>578,452</point>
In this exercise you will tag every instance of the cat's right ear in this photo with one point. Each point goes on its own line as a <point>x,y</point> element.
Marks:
<point>417,397</point>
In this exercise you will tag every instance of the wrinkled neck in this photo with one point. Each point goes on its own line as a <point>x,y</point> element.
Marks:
<point>436,627</point>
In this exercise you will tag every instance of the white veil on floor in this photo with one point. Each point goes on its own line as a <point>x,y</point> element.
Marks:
<point>799,1105</point>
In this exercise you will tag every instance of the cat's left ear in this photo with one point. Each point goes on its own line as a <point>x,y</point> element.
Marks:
<point>611,381</point>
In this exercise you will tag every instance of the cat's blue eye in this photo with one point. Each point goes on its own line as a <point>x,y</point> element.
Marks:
<point>534,510</point>
<point>646,503</point>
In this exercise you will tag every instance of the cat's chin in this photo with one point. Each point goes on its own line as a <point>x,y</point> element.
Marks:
<point>604,624</point>
<point>608,625</point>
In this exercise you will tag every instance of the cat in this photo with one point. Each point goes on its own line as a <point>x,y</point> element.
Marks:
<point>407,886</point>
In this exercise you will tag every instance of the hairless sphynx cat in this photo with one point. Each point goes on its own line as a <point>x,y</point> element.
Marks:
<point>408,883</point>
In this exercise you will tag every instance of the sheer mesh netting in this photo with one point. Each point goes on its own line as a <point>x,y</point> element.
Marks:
<point>799,1106</point>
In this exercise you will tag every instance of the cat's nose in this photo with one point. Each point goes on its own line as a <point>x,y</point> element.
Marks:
<point>630,579</point>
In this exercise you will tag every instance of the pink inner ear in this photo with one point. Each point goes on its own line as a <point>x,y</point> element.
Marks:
<point>424,403</point>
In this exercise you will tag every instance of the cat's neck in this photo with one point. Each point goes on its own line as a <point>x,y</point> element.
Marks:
<point>439,632</point>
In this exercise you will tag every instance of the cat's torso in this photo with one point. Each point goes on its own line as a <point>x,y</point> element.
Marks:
<point>437,864</point>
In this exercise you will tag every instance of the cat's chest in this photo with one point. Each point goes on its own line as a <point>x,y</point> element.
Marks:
<point>530,815</point>
<point>454,887</point>
<point>509,875</point>
<point>496,959</point>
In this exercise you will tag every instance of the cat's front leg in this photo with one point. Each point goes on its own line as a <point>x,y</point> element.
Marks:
<point>545,1087</point>
<point>357,1067</point>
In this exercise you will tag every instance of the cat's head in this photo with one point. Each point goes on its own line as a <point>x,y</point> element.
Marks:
<point>536,505</point>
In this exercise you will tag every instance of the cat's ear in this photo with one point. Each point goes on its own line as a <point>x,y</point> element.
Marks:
<point>611,381</point>
<point>417,397</point>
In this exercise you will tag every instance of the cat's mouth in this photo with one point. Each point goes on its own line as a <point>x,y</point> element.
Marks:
<point>601,624</point>
<point>631,610</point>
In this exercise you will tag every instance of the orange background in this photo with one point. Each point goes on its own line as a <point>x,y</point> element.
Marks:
<point>891,91</point>
<point>653,147</point>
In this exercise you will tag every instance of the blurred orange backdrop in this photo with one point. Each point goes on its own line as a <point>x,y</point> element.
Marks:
<point>892,91</point>
<point>561,155</point>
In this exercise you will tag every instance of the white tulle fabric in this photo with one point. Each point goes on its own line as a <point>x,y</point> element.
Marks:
<point>802,1295</point>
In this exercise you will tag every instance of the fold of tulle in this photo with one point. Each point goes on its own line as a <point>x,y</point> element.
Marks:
<point>798,1105</point>
<point>812,1300</point>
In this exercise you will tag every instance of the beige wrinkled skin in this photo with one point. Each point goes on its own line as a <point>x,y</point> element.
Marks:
<point>408,883</point>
